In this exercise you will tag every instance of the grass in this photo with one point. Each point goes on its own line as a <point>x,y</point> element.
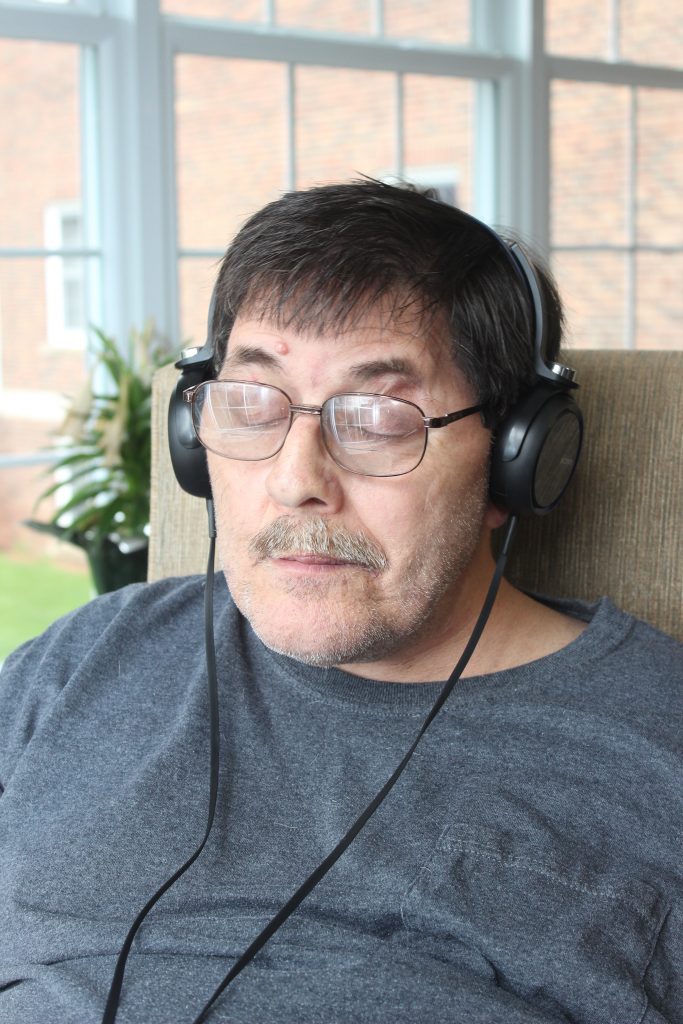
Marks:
<point>33,594</point>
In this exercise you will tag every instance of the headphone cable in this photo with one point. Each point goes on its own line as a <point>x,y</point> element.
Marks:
<point>322,869</point>
<point>319,873</point>
<point>114,996</point>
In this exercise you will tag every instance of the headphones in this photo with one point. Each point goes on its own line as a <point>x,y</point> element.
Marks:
<point>536,447</point>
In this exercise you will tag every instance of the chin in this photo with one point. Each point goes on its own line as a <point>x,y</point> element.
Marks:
<point>322,658</point>
<point>324,641</point>
<point>307,643</point>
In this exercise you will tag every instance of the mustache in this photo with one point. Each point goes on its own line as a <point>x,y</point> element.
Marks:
<point>316,536</point>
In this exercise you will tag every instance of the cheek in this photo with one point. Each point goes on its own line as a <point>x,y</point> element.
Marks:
<point>460,471</point>
<point>238,492</point>
<point>236,523</point>
<point>398,517</point>
<point>457,493</point>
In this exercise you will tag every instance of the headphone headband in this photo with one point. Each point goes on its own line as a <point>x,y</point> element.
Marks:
<point>555,373</point>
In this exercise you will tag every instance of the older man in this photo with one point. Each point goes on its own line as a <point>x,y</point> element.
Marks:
<point>367,345</point>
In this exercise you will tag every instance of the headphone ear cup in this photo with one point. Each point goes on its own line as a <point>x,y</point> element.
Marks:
<point>535,452</point>
<point>188,457</point>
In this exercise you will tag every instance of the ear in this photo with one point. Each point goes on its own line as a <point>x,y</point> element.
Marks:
<point>494,516</point>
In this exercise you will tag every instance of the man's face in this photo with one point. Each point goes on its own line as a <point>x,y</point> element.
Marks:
<point>416,546</point>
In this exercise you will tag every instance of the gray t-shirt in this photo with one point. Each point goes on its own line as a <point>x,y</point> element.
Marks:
<point>526,868</point>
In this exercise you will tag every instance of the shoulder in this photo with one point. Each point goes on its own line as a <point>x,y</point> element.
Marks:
<point>112,641</point>
<point>625,661</point>
<point>632,640</point>
<point>139,605</point>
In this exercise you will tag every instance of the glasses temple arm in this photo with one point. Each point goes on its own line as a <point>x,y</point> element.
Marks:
<point>451,417</point>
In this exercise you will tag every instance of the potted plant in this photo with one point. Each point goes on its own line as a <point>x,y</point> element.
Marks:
<point>103,461</point>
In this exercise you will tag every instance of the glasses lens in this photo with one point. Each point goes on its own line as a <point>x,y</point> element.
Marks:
<point>374,435</point>
<point>241,421</point>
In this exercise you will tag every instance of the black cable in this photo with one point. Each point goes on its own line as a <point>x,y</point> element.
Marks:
<point>112,1004</point>
<point>319,873</point>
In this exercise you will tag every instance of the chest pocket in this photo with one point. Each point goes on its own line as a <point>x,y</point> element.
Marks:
<point>569,940</point>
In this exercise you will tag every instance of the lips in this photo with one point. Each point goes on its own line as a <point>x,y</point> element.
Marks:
<point>308,559</point>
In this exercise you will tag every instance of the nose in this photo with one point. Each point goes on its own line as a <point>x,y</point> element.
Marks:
<point>302,472</point>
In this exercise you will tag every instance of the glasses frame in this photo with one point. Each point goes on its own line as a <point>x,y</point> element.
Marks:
<point>429,422</point>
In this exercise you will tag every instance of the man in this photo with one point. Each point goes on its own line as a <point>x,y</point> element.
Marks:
<point>526,867</point>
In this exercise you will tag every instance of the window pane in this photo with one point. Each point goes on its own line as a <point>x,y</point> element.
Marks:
<point>659,300</point>
<point>593,287</point>
<point>35,354</point>
<point>224,10</point>
<point>196,280</point>
<point>578,28</point>
<point>651,33</point>
<point>660,167</point>
<point>344,124</point>
<point>36,376</point>
<point>39,136</point>
<point>590,163</point>
<point>231,154</point>
<point>43,304</point>
<point>437,135</point>
<point>440,21</point>
<point>326,15</point>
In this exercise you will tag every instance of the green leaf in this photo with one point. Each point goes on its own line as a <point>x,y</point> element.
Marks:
<point>117,419</point>
<point>79,474</point>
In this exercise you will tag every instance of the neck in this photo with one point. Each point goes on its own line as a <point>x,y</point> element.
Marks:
<point>518,630</point>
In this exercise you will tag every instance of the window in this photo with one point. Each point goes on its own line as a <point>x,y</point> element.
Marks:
<point>616,170</point>
<point>329,110</point>
<point>48,275</point>
<point>65,277</point>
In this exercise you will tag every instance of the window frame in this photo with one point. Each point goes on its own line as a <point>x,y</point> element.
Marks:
<point>129,48</point>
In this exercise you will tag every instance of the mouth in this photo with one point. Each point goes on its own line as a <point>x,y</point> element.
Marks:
<point>301,562</point>
<point>315,545</point>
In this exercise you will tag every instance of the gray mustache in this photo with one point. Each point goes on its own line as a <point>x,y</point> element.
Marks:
<point>315,536</point>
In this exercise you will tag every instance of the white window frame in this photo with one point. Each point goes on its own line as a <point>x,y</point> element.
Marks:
<point>58,273</point>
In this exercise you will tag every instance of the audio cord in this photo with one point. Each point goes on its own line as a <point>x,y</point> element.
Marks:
<point>113,998</point>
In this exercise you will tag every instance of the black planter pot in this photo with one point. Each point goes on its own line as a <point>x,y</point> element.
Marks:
<point>112,568</point>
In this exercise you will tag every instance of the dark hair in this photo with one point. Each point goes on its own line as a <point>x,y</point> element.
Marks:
<point>320,258</point>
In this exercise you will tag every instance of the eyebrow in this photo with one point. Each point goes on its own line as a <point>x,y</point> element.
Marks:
<point>395,366</point>
<point>361,374</point>
<point>249,355</point>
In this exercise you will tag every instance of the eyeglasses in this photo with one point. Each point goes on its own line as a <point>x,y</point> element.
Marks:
<point>372,435</point>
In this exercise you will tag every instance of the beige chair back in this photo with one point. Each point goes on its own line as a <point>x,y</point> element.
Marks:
<point>619,530</point>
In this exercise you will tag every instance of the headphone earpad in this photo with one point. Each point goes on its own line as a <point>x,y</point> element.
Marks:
<point>535,452</point>
<point>188,457</point>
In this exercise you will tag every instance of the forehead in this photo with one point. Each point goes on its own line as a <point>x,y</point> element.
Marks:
<point>375,345</point>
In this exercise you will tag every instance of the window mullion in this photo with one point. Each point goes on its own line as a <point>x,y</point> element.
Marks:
<point>290,141</point>
<point>399,129</point>
<point>525,115</point>
<point>488,167</point>
<point>91,174</point>
<point>631,224</point>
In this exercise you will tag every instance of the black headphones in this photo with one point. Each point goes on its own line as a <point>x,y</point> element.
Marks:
<point>536,447</point>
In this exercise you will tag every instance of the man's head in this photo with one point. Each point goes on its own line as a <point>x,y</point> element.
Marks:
<point>320,258</point>
<point>373,290</point>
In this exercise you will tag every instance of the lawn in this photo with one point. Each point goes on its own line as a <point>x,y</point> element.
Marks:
<point>33,594</point>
